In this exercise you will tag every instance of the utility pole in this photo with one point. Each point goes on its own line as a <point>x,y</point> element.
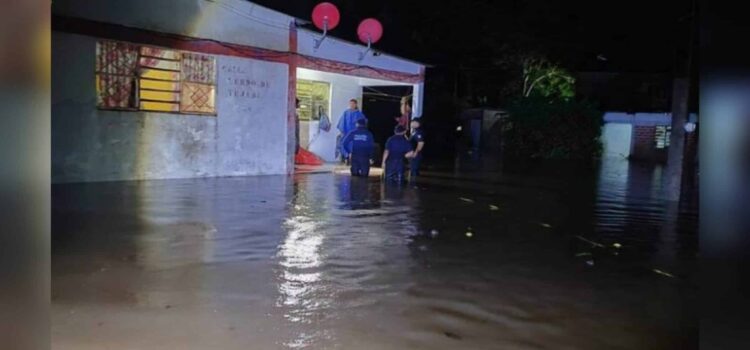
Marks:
<point>680,112</point>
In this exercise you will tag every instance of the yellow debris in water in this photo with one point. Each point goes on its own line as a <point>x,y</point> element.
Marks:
<point>467,200</point>
<point>494,207</point>
<point>617,245</point>
<point>667,274</point>
<point>469,234</point>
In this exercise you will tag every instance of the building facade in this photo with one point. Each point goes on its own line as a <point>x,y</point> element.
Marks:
<point>642,136</point>
<point>197,88</point>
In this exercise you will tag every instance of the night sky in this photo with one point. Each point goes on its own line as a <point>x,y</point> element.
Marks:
<point>637,35</point>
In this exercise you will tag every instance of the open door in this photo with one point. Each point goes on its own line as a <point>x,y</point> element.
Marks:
<point>382,106</point>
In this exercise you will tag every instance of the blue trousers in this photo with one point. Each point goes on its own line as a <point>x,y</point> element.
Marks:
<point>415,162</point>
<point>360,165</point>
<point>394,170</point>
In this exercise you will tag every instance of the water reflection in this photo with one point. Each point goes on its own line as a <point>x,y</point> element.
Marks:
<point>328,261</point>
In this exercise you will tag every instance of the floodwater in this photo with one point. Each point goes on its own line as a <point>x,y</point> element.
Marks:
<point>474,256</point>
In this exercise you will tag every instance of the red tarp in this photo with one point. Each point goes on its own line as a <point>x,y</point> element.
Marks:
<point>305,157</point>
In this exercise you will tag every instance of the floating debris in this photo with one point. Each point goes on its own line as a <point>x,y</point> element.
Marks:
<point>545,225</point>
<point>467,200</point>
<point>590,262</point>
<point>469,234</point>
<point>434,233</point>
<point>583,254</point>
<point>494,207</point>
<point>452,335</point>
<point>617,245</point>
<point>591,242</point>
<point>666,274</point>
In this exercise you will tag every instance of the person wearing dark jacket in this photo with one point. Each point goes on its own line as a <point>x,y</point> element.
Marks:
<point>359,144</point>
<point>417,144</point>
<point>397,149</point>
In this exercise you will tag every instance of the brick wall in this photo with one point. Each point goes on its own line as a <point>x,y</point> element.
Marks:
<point>644,145</point>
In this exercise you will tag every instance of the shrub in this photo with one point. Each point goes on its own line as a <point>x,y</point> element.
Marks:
<point>552,129</point>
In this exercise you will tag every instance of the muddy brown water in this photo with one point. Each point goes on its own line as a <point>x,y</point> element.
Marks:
<point>469,257</point>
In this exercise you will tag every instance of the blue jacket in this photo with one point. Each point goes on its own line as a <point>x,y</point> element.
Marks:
<point>360,142</point>
<point>348,121</point>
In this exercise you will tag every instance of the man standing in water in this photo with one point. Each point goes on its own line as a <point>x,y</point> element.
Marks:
<point>359,144</point>
<point>348,123</point>
<point>417,144</point>
<point>397,148</point>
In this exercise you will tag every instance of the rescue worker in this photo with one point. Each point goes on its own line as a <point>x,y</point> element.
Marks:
<point>348,123</point>
<point>417,144</point>
<point>359,144</point>
<point>397,148</point>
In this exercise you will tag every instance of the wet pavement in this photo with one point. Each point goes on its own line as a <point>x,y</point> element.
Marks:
<point>476,256</point>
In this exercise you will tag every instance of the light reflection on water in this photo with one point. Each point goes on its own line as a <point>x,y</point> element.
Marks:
<point>326,261</point>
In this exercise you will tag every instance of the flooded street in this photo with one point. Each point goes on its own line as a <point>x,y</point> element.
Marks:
<point>471,257</point>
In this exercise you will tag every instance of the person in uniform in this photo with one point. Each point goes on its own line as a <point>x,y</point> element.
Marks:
<point>417,144</point>
<point>397,148</point>
<point>348,123</point>
<point>359,144</point>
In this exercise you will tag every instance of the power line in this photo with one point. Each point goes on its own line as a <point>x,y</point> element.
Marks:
<point>248,15</point>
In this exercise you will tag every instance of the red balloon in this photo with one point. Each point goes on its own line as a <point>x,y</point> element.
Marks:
<point>370,28</point>
<point>325,11</point>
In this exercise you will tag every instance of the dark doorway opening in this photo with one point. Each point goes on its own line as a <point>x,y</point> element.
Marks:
<point>382,106</point>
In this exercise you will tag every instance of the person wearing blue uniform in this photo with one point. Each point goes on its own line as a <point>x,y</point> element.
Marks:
<point>348,123</point>
<point>417,144</point>
<point>397,148</point>
<point>359,144</point>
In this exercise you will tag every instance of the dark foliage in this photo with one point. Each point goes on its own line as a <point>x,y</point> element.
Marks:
<point>553,129</point>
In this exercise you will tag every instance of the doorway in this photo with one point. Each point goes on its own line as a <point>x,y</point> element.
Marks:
<point>382,106</point>
<point>315,102</point>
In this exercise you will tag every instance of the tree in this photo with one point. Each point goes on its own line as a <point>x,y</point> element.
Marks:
<point>547,79</point>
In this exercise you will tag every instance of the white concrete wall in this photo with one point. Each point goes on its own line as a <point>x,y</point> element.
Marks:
<point>616,139</point>
<point>343,51</point>
<point>417,102</point>
<point>234,21</point>
<point>343,88</point>
<point>247,137</point>
<point>252,132</point>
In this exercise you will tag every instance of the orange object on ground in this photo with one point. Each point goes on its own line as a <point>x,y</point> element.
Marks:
<point>306,157</point>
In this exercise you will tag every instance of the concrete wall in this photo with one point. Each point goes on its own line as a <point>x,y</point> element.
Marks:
<point>343,88</point>
<point>247,137</point>
<point>343,51</point>
<point>234,21</point>
<point>616,140</point>
<point>252,133</point>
